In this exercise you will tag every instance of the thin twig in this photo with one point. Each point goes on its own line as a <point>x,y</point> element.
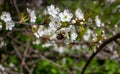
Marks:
<point>40,55</point>
<point>28,24</point>
<point>54,63</point>
<point>82,43</point>
<point>99,49</point>
<point>15,5</point>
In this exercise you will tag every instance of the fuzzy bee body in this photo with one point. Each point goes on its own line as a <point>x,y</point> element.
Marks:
<point>61,36</point>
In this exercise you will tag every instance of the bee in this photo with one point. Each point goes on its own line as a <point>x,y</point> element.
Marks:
<point>61,35</point>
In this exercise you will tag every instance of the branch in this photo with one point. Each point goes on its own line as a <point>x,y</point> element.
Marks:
<point>99,49</point>
<point>25,23</point>
<point>15,5</point>
<point>26,46</point>
<point>62,68</point>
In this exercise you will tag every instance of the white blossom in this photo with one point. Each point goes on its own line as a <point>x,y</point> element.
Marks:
<point>52,10</point>
<point>32,15</point>
<point>55,23</point>
<point>42,31</point>
<point>45,12</point>
<point>47,45</point>
<point>0,25</point>
<point>59,49</point>
<point>66,16</point>
<point>79,14</point>
<point>10,25</point>
<point>37,42</point>
<point>6,17</point>
<point>2,68</point>
<point>53,37</point>
<point>2,43</point>
<point>11,65</point>
<point>112,46</point>
<point>73,34</point>
<point>115,55</point>
<point>73,21</point>
<point>87,35</point>
<point>97,21</point>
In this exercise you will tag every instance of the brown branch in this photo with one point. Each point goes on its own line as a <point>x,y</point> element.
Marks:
<point>16,7</point>
<point>82,43</point>
<point>27,24</point>
<point>16,50</point>
<point>22,58</point>
<point>99,49</point>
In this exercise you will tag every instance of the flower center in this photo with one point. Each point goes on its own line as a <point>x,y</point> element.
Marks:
<point>56,22</point>
<point>5,16</point>
<point>65,16</point>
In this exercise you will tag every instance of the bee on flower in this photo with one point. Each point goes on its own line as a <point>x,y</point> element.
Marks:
<point>62,34</point>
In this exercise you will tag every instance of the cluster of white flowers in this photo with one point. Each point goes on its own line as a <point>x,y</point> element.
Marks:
<point>61,26</point>
<point>40,32</point>
<point>32,15</point>
<point>43,31</point>
<point>56,30</point>
<point>6,17</point>
<point>56,17</point>
<point>56,20</point>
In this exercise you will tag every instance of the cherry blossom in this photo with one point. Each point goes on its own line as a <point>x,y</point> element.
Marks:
<point>6,17</point>
<point>66,16</point>
<point>52,10</point>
